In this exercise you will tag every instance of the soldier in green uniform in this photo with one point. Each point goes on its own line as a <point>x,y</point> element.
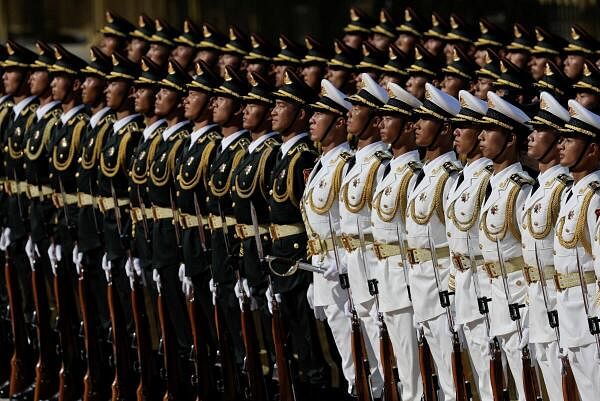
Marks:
<point>115,33</point>
<point>289,57</point>
<point>341,69</point>
<point>259,58</point>
<point>139,42</point>
<point>162,42</point>
<point>235,49</point>
<point>185,50</point>
<point>314,62</point>
<point>210,46</point>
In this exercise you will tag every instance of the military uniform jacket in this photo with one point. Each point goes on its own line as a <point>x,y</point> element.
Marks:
<point>541,210</point>
<point>143,154</point>
<point>6,105</point>
<point>115,162</point>
<point>577,235</point>
<point>388,217</point>
<point>500,217</point>
<point>219,186</point>
<point>89,220</point>
<point>37,172</point>
<point>319,201</point>
<point>16,130</point>
<point>425,214</point>
<point>192,178</point>
<point>288,182</point>
<point>251,184</point>
<point>465,199</point>
<point>161,190</point>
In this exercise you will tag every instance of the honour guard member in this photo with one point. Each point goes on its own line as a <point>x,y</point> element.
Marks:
<point>341,69</point>
<point>315,62</point>
<point>434,39</point>
<point>555,82</point>
<point>384,33</point>
<point>409,31</point>
<point>16,228</point>
<point>87,254</point>
<point>358,29</point>
<point>258,60</point>
<point>395,69</point>
<point>289,57</point>
<point>547,48</point>
<point>295,158</point>
<point>519,49</point>
<point>185,50</point>
<point>210,46</point>
<point>232,54</point>
<point>575,243</point>
<point>425,69</point>
<point>140,37</point>
<point>162,42</point>
<point>487,74</point>
<point>424,221</point>
<point>115,33</point>
<point>541,209</point>
<point>460,37</point>
<point>491,37</point>
<point>41,212</point>
<point>389,225</point>
<point>356,192</point>
<point>458,73</point>
<point>501,140</point>
<point>465,199</point>
<point>66,138</point>
<point>587,89</point>
<point>581,45</point>
<point>320,206</point>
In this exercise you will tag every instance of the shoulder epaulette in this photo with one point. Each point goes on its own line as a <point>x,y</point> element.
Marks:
<point>109,118</point>
<point>594,186</point>
<point>56,113</point>
<point>31,107</point>
<point>272,142</point>
<point>489,168</point>
<point>300,147</point>
<point>415,166</point>
<point>242,143</point>
<point>383,155</point>
<point>451,168</point>
<point>565,179</point>
<point>345,156</point>
<point>213,135</point>
<point>521,179</point>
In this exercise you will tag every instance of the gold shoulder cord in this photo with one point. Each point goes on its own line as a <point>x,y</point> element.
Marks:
<point>45,137</point>
<point>3,114</point>
<point>201,169</point>
<point>465,226</point>
<point>366,193</point>
<point>30,118</point>
<point>142,178</point>
<point>171,160</point>
<point>246,193</point>
<point>225,188</point>
<point>509,219</point>
<point>551,214</point>
<point>401,199</point>
<point>160,181</point>
<point>89,161</point>
<point>579,235</point>
<point>62,166</point>
<point>436,206</point>
<point>333,191</point>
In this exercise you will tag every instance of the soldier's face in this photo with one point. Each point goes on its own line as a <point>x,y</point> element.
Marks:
<point>482,87</point>
<point>319,124</point>
<point>12,80</point>
<point>158,54</point>
<point>380,41</point>
<point>480,57</point>
<point>183,55</point>
<point>210,57</point>
<point>492,140</point>
<point>537,66</point>
<point>434,46</point>
<point>385,78</point>
<point>406,42</point>
<point>465,140</point>
<point>109,44</point>
<point>136,49</point>
<point>224,109</point>
<point>570,150</point>
<point>590,101</point>
<point>426,131</point>
<point>312,76</point>
<point>39,82</point>
<point>254,116</point>
<point>573,66</point>
<point>416,86</point>
<point>452,85</point>
<point>337,77</point>
<point>194,104</point>
<point>358,116</point>
<point>352,40</point>
<point>166,101</point>
<point>91,90</point>
<point>389,128</point>
<point>116,93</point>
<point>61,86</point>
<point>278,71</point>
<point>144,99</point>
<point>258,68</point>
<point>539,143</point>
<point>230,60</point>
<point>283,115</point>
<point>519,59</point>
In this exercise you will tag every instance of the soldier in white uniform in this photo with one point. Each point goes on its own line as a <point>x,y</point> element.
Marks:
<point>389,221</point>
<point>465,199</point>
<point>577,238</point>
<point>503,136</point>
<point>319,205</point>
<point>356,193</point>
<point>541,210</point>
<point>424,219</point>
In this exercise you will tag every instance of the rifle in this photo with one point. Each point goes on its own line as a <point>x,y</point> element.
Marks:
<point>428,375</point>
<point>120,387</point>
<point>499,388</point>
<point>569,387</point>
<point>593,321</point>
<point>390,386</point>
<point>461,385</point>
<point>530,382</point>
<point>362,371</point>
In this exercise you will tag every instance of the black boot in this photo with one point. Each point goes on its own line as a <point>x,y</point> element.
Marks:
<point>25,395</point>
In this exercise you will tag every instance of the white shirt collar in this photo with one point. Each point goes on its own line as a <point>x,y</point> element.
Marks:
<point>261,139</point>
<point>287,145</point>
<point>405,158</point>
<point>123,122</point>
<point>551,173</point>
<point>149,130</point>
<point>199,132</point>
<point>580,186</point>
<point>368,150</point>
<point>98,116</point>
<point>439,161</point>
<point>173,128</point>
<point>67,116</point>
<point>3,98</point>
<point>18,108</point>
<point>41,111</point>
<point>497,178</point>
<point>475,166</point>
<point>231,138</point>
<point>335,152</point>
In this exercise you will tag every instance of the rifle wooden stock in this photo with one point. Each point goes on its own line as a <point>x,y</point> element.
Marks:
<point>169,351</point>
<point>120,387</point>
<point>202,377</point>
<point>458,371</point>
<point>143,342</point>
<point>253,365</point>
<point>19,374</point>
<point>361,362</point>
<point>44,376</point>
<point>226,359</point>
<point>91,388</point>
<point>427,375</point>
<point>530,380</point>
<point>390,386</point>
<point>499,390</point>
<point>569,386</point>
<point>284,375</point>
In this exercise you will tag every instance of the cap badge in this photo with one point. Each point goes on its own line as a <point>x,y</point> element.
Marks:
<point>482,28</point>
<point>407,16</point>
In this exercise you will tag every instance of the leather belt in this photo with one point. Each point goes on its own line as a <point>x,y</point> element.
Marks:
<point>384,251</point>
<point>106,204</point>
<point>244,231</point>
<point>35,191</point>
<point>84,199</point>
<point>13,188</point>
<point>318,246</point>
<point>352,242</point>
<point>493,269</point>
<point>214,222</point>
<point>59,199</point>
<point>190,220</point>
<point>570,280</point>
<point>422,255</point>
<point>279,231</point>
<point>463,263</point>
<point>159,213</point>
<point>532,275</point>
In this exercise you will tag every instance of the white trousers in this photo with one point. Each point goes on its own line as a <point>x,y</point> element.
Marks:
<point>477,340</point>
<point>586,369</point>
<point>550,364</point>
<point>341,328</point>
<point>510,345</point>
<point>403,337</point>
<point>370,331</point>
<point>438,337</point>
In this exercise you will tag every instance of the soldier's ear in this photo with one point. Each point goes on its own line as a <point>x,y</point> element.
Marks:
<point>77,84</point>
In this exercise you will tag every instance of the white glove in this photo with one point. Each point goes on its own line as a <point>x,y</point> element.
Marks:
<point>524,338</point>
<point>32,252</point>
<point>77,258</point>
<point>55,256</point>
<point>213,288</point>
<point>243,285</point>
<point>320,313</point>
<point>181,272</point>
<point>187,287</point>
<point>269,296</point>
<point>107,266</point>
<point>156,278</point>
<point>347,309</point>
<point>310,296</point>
<point>331,273</point>
<point>137,266</point>
<point>5,239</point>
<point>129,268</point>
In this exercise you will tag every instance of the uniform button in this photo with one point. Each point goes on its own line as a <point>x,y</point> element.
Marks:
<point>232,204</point>
<point>79,160</point>
<point>448,234</point>
<point>128,189</point>
<point>76,175</point>
<point>518,283</point>
<point>177,193</point>
<point>270,192</point>
<point>296,246</point>
<point>233,188</point>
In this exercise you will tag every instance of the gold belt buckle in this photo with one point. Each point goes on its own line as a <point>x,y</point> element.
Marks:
<point>490,269</point>
<point>457,258</point>
<point>411,256</point>
<point>527,274</point>
<point>314,246</point>
<point>557,284</point>
<point>346,242</point>
<point>377,251</point>
<point>273,232</point>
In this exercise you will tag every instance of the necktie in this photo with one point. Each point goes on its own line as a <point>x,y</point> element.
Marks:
<point>488,191</point>
<point>351,163</point>
<point>420,177</point>
<point>387,170</point>
<point>535,186</point>
<point>461,178</point>
<point>569,194</point>
<point>316,169</point>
